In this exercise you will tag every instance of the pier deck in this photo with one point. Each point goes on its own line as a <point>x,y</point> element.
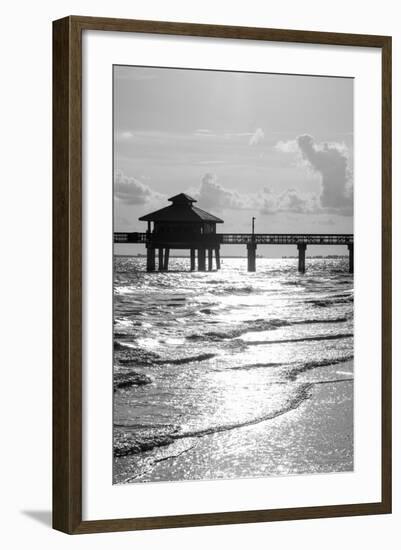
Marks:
<point>257,238</point>
<point>301,240</point>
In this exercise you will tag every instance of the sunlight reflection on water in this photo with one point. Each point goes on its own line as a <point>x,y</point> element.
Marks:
<point>219,358</point>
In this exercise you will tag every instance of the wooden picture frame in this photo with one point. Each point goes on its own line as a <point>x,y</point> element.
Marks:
<point>67,277</point>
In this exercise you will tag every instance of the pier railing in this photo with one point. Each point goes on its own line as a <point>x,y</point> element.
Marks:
<point>130,237</point>
<point>285,238</point>
<point>257,238</point>
<point>211,243</point>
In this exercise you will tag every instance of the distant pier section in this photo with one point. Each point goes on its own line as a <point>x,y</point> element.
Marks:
<point>182,226</point>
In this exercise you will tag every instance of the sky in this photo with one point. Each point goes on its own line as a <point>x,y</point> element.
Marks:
<point>271,146</point>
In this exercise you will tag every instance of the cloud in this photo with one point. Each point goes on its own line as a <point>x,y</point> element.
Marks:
<point>290,200</point>
<point>293,201</point>
<point>131,190</point>
<point>331,162</point>
<point>204,132</point>
<point>123,135</point>
<point>253,138</point>
<point>215,161</point>
<point>257,136</point>
<point>213,195</point>
<point>290,146</point>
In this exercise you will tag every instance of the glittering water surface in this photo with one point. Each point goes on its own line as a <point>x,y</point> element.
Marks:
<point>232,374</point>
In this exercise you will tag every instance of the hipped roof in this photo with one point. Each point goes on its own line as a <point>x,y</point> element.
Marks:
<point>182,210</point>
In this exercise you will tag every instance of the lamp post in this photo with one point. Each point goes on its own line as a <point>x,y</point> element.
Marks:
<point>253,228</point>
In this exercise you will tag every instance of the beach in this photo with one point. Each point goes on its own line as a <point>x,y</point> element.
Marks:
<point>231,374</point>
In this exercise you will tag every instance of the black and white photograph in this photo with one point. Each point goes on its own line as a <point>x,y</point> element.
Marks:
<point>233,274</point>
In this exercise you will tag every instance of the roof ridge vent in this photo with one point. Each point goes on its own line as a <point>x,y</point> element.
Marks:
<point>182,198</point>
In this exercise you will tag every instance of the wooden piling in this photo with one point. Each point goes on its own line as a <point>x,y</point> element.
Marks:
<point>161,262</point>
<point>166,258</point>
<point>210,259</point>
<point>251,248</point>
<point>217,254</point>
<point>213,242</point>
<point>301,257</point>
<point>192,259</point>
<point>201,259</point>
<point>351,257</point>
<point>150,259</point>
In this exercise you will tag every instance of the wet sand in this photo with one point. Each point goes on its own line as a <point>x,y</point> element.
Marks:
<point>315,437</point>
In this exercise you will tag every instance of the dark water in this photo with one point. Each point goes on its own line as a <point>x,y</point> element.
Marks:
<point>215,365</point>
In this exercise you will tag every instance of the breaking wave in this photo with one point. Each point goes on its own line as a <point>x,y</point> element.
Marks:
<point>129,443</point>
<point>304,339</point>
<point>260,325</point>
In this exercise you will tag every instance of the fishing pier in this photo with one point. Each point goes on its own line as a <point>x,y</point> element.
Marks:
<point>182,226</point>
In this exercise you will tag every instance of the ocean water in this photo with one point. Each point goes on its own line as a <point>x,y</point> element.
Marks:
<point>229,374</point>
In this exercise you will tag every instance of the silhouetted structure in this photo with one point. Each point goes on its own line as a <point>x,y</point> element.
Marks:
<point>182,226</point>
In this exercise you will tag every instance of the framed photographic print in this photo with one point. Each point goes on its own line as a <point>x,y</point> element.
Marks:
<point>222,275</point>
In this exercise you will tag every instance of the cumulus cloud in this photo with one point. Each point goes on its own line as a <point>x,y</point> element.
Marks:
<point>257,136</point>
<point>131,190</point>
<point>290,146</point>
<point>268,203</point>
<point>290,200</point>
<point>213,195</point>
<point>293,201</point>
<point>331,162</point>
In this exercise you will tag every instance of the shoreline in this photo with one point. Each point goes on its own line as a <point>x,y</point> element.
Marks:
<point>319,431</point>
